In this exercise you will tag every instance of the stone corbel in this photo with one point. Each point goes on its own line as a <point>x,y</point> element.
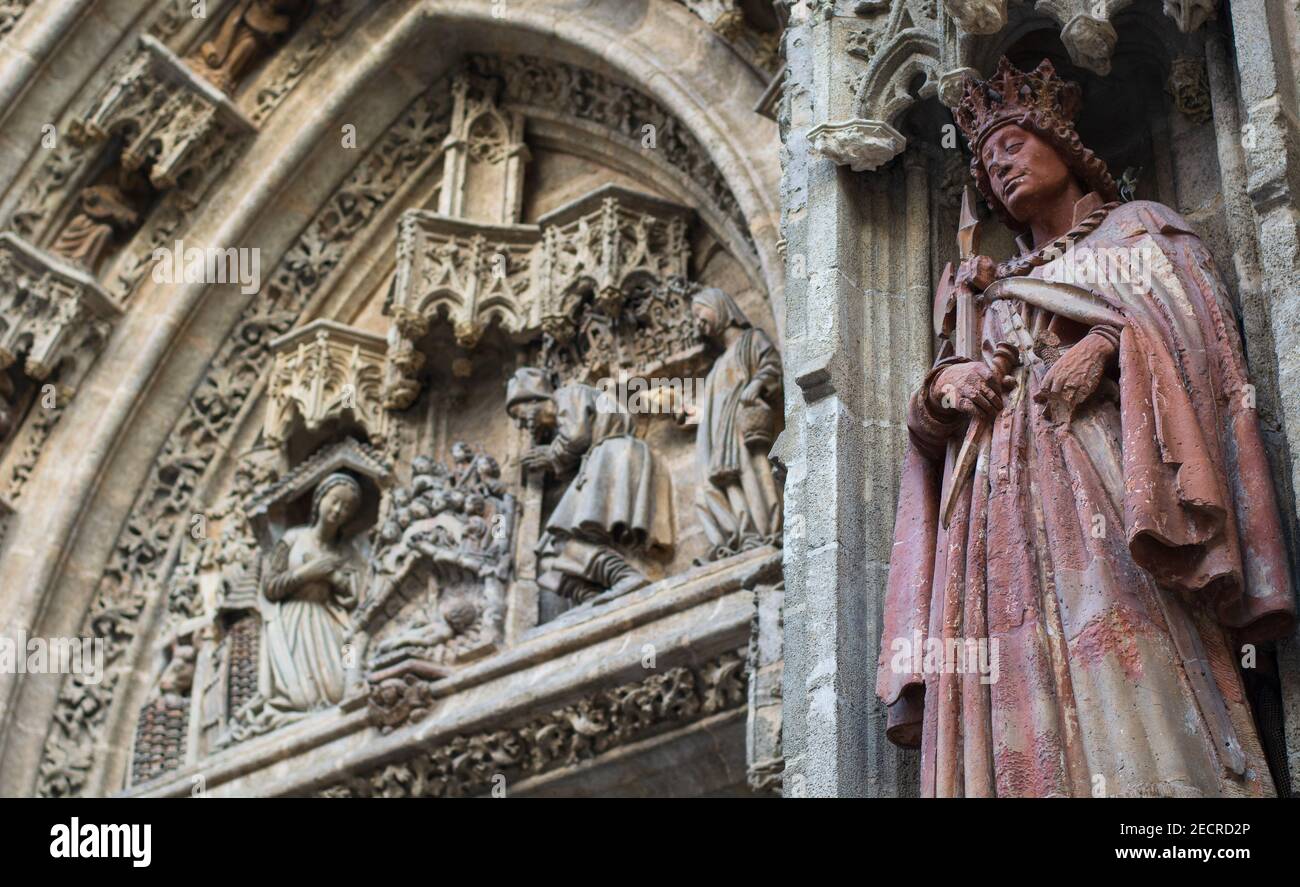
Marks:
<point>1086,29</point>
<point>1090,41</point>
<point>1190,14</point>
<point>978,16</point>
<point>176,120</point>
<point>950,85</point>
<point>326,372</point>
<point>861,145</point>
<point>51,311</point>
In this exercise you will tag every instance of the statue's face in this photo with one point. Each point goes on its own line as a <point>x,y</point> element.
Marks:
<point>338,506</point>
<point>537,416</point>
<point>706,320</point>
<point>1025,171</point>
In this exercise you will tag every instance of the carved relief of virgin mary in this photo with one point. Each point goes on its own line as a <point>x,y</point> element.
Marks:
<point>310,586</point>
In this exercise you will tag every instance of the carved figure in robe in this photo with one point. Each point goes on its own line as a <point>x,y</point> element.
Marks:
<point>310,585</point>
<point>103,211</point>
<point>1119,539</point>
<point>619,496</point>
<point>253,30</point>
<point>738,502</point>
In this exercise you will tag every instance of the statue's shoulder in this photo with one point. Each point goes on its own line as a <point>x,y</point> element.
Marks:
<point>292,535</point>
<point>1138,217</point>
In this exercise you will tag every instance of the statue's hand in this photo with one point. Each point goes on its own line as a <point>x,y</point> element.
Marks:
<point>1074,377</point>
<point>969,388</point>
<point>977,273</point>
<point>752,394</point>
<point>318,569</point>
<point>536,459</point>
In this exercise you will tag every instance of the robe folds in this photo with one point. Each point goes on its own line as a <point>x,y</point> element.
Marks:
<point>306,626</point>
<point>619,492</point>
<point>1113,564</point>
<point>724,457</point>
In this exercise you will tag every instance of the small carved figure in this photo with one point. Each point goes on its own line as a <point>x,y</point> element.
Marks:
<point>738,502</point>
<point>103,211</point>
<point>619,497</point>
<point>253,30</point>
<point>310,585</point>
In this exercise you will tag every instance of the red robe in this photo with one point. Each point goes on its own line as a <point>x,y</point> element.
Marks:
<point>1112,565</point>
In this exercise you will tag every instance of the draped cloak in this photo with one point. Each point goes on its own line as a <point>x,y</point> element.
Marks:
<point>720,449</point>
<point>305,629</point>
<point>619,494</point>
<point>1115,563</point>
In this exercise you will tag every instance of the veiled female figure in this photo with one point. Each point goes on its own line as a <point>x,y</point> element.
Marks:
<point>738,502</point>
<point>310,586</point>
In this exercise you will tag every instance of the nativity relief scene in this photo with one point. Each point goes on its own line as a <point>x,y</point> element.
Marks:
<point>744,398</point>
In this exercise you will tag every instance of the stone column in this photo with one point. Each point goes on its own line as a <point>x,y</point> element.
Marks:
<point>853,345</point>
<point>1267,78</point>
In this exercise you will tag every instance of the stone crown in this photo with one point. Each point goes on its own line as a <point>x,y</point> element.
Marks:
<point>1011,95</point>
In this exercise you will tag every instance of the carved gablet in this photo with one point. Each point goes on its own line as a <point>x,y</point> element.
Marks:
<point>326,374</point>
<point>607,247</point>
<point>52,314</point>
<point>173,121</point>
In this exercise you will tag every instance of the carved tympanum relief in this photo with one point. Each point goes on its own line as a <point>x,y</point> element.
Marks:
<point>356,557</point>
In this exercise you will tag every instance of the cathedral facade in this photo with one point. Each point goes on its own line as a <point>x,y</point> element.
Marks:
<point>444,398</point>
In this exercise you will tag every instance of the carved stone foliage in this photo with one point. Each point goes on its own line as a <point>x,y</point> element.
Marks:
<point>51,313</point>
<point>161,514</point>
<point>10,12</point>
<point>436,594</point>
<point>326,373</point>
<point>326,23</point>
<point>466,765</point>
<point>1190,88</point>
<point>610,248</point>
